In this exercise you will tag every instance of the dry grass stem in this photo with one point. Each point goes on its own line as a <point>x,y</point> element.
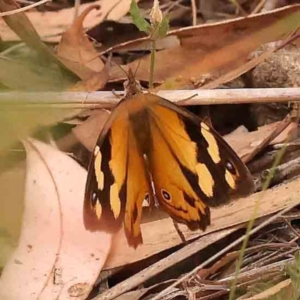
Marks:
<point>219,254</point>
<point>84,100</point>
<point>22,9</point>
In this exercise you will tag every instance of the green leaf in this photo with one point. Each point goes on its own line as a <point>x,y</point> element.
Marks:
<point>293,270</point>
<point>137,18</point>
<point>32,77</point>
<point>22,26</point>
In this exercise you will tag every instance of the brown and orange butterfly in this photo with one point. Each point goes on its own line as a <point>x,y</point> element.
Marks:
<point>149,139</point>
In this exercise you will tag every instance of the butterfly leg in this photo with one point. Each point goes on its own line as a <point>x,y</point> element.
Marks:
<point>179,232</point>
<point>117,95</point>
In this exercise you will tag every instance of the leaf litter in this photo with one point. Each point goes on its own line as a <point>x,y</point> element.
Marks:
<point>53,242</point>
<point>208,55</point>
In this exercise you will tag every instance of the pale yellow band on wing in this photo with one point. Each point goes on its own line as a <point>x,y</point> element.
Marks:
<point>230,179</point>
<point>98,209</point>
<point>115,202</point>
<point>213,148</point>
<point>205,180</point>
<point>97,167</point>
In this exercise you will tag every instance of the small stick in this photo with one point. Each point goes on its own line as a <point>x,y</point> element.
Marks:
<point>222,252</point>
<point>84,100</point>
<point>279,128</point>
<point>294,145</point>
<point>282,171</point>
<point>194,12</point>
<point>163,264</point>
<point>179,232</point>
<point>22,9</point>
<point>263,162</point>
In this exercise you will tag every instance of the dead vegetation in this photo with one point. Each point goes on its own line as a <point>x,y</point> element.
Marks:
<point>60,61</point>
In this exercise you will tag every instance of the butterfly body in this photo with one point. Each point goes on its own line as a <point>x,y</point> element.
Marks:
<point>149,139</point>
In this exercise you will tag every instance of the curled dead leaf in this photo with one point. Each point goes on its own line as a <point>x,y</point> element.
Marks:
<point>77,52</point>
<point>51,24</point>
<point>95,82</point>
<point>88,132</point>
<point>212,50</point>
<point>56,257</point>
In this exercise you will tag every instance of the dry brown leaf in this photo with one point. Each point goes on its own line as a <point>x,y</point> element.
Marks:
<point>288,134</point>
<point>245,143</point>
<point>22,26</point>
<point>88,132</point>
<point>50,25</point>
<point>237,212</point>
<point>77,51</point>
<point>207,52</point>
<point>95,82</point>
<point>285,129</point>
<point>133,295</point>
<point>141,292</point>
<point>56,257</point>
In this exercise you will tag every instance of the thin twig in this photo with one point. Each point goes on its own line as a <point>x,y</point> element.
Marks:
<point>219,254</point>
<point>282,171</point>
<point>76,9</point>
<point>164,263</point>
<point>239,7</point>
<point>266,141</point>
<point>258,7</point>
<point>22,9</point>
<point>24,2</point>
<point>297,235</point>
<point>291,145</point>
<point>84,100</point>
<point>194,12</point>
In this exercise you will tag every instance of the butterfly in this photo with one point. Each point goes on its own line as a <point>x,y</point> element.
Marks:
<point>149,149</point>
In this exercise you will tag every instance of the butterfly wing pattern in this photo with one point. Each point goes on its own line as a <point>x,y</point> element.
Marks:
<point>117,182</point>
<point>199,167</point>
<point>148,138</point>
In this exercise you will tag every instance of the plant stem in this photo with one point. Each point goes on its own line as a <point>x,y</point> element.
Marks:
<point>251,223</point>
<point>152,62</point>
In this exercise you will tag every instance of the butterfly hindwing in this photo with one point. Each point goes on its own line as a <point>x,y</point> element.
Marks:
<point>114,192</point>
<point>192,167</point>
<point>173,182</point>
<point>232,177</point>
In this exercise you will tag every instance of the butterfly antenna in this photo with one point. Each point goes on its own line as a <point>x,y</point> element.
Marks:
<point>139,63</point>
<point>130,75</point>
<point>119,66</point>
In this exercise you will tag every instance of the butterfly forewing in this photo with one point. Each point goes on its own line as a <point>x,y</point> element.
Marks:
<point>117,181</point>
<point>231,177</point>
<point>199,168</point>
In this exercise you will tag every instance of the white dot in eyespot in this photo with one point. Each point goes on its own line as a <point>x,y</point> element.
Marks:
<point>230,167</point>
<point>94,196</point>
<point>166,195</point>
